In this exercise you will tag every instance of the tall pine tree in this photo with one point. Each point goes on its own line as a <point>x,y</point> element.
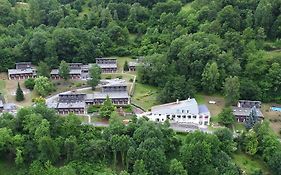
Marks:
<point>126,66</point>
<point>19,94</point>
<point>252,119</point>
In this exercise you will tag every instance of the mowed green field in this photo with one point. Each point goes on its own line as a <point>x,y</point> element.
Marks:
<point>145,96</point>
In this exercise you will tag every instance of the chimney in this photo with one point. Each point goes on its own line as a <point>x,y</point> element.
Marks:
<point>177,101</point>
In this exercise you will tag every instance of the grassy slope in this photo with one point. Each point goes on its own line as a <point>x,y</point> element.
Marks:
<point>249,164</point>
<point>145,96</point>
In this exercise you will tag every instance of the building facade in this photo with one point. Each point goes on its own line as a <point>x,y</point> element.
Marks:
<point>107,65</point>
<point>117,98</point>
<point>243,109</point>
<point>182,112</point>
<point>133,66</point>
<point>23,70</point>
<point>74,74</point>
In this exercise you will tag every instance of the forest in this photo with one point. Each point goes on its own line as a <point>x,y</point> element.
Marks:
<point>197,44</point>
<point>229,47</point>
<point>39,141</point>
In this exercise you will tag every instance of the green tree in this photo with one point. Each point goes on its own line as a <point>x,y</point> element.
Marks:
<point>19,157</point>
<point>227,143</point>
<point>251,143</point>
<point>274,163</point>
<point>126,66</point>
<point>107,108</point>
<point>274,79</point>
<point>43,86</point>
<point>48,149</point>
<point>95,76</point>
<point>252,119</point>
<point>210,77</point>
<point>231,90</point>
<point>6,12</point>
<point>176,168</point>
<point>43,69</point>
<point>139,168</point>
<point>176,88</point>
<point>64,70</point>
<point>263,15</point>
<point>19,93</point>
<point>226,117</point>
<point>29,83</point>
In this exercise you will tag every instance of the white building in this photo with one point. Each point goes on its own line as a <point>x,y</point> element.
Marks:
<point>185,112</point>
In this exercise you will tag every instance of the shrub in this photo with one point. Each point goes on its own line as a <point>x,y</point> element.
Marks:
<point>119,76</point>
<point>92,109</point>
<point>108,77</point>
<point>29,83</point>
<point>131,80</point>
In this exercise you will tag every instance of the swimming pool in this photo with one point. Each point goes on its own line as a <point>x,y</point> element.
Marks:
<point>276,109</point>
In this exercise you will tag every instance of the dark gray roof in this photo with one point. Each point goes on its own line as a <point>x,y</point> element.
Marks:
<point>133,64</point>
<point>111,95</point>
<point>249,104</point>
<point>238,111</point>
<point>71,97</point>
<point>106,58</point>
<point>23,65</point>
<point>20,71</point>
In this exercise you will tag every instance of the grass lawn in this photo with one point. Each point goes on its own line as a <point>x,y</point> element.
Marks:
<point>121,62</point>
<point>145,96</point>
<point>200,99</point>
<point>126,77</point>
<point>273,117</point>
<point>249,164</point>
<point>239,126</point>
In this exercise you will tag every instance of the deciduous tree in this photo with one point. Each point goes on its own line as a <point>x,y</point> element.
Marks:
<point>64,70</point>
<point>231,90</point>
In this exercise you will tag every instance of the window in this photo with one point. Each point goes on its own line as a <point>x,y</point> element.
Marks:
<point>182,111</point>
<point>173,116</point>
<point>189,116</point>
<point>187,111</point>
<point>206,123</point>
<point>157,119</point>
<point>206,116</point>
<point>168,116</point>
<point>178,116</point>
<point>184,116</point>
<point>200,116</point>
<point>194,116</point>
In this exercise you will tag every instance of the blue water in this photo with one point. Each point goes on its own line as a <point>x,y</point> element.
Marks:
<point>276,109</point>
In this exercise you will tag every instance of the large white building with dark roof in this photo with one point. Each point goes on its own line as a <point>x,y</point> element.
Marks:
<point>185,111</point>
